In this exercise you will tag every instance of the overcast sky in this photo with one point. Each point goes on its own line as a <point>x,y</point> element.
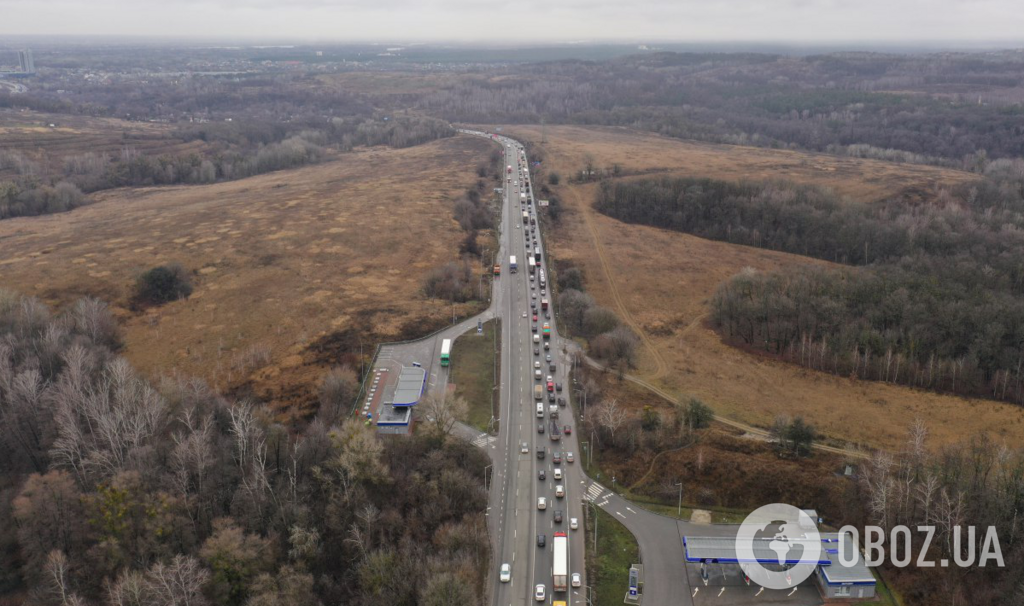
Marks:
<point>791,21</point>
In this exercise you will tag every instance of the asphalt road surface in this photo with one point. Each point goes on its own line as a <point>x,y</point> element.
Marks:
<point>513,516</point>
<point>515,519</point>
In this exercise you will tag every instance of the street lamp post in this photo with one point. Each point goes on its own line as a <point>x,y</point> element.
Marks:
<point>679,508</point>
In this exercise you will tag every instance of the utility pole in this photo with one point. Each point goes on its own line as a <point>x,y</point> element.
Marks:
<point>679,508</point>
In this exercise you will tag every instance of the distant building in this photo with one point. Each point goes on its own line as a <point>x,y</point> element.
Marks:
<point>26,62</point>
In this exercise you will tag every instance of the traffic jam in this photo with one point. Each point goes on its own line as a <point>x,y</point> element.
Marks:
<point>549,398</point>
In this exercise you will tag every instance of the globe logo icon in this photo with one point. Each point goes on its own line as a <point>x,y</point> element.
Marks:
<point>782,537</point>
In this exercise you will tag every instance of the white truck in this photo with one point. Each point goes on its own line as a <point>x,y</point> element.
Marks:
<point>512,267</point>
<point>560,570</point>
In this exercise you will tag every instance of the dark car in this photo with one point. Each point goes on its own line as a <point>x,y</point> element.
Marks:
<point>558,516</point>
<point>551,367</point>
<point>558,387</point>
<point>542,475</point>
<point>540,453</point>
<point>561,402</point>
<point>557,458</point>
<point>533,328</point>
<point>536,351</point>
<point>551,398</point>
<point>542,540</point>
<point>540,428</point>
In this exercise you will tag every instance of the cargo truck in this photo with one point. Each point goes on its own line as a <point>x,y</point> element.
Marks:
<point>560,569</point>
<point>512,267</point>
<point>538,394</point>
<point>544,304</point>
<point>556,431</point>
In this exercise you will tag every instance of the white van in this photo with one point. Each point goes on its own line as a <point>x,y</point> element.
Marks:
<point>536,339</point>
<point>540,410</point>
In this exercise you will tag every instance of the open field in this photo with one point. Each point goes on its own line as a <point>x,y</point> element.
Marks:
<point>310,264</point>
<point>638,152</point>
<point>31,134</point>
<point>660,283</point>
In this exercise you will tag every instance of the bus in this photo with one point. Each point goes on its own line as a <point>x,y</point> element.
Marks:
<point>446,351</point>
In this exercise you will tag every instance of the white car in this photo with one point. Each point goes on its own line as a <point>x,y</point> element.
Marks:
<point>576,580</point>
<point>524,448</point>
<point>542,503</point>
<point>569,457</point>
<point>574,523</point>
<point>558,473</point>
<point>506,574</point>
<point>537,364</point>
<point>540,593</point>
<point>559,491</point>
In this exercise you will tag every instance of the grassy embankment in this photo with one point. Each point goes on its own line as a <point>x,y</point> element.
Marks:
<point>475,362</point>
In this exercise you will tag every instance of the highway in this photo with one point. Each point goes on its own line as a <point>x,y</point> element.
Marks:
<point>515,520</point>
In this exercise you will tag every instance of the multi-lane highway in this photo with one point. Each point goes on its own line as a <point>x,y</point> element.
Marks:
<point>515,518</point>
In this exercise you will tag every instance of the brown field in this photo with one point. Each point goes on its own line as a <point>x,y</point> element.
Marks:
<point>29,133</point>
<point>307,263</point>
<point>660,282</point>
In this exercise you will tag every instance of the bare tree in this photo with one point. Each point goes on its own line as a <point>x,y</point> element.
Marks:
<point>191,459</point>
<point>337,392</point>
<point>610,416</point>
<point>250,454</point>
<point>58,571</point>
<point>178,583</point>
<point>128,590</point>
<point>443,410</point>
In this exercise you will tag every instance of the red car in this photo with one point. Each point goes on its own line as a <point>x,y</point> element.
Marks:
<point>534,318</point>
<point>551,386</point>
<point>568,430</point>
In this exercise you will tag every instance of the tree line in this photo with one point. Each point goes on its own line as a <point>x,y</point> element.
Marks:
<point>116,491</point>
<point>977,482</point>
<point>938,299</point>
<point>955,109</point>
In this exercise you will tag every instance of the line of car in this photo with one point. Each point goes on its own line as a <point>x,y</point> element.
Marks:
<point>553,388</point>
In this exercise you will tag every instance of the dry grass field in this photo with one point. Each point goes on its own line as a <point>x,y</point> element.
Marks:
<point>660,282</point>
<point>31,134</point>
<point>285,264</point>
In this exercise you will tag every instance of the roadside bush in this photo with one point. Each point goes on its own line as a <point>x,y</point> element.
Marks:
<point>554,178</point>
<point>571,278</point>
<point>617,347</point>
<point>793,437</point>
<point>698,415</point>
<point>452,281</point>
<point>163,284</point>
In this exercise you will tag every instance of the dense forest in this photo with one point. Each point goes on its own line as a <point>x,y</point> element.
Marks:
<point>936,302</point>
<point>248,127</point>
<point>957,109</point>
<point>978,482</point>
<point>118,491</point>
